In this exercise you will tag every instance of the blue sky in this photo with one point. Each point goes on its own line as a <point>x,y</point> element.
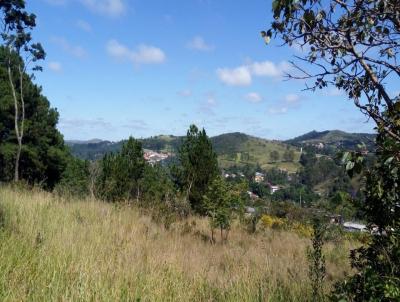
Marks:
<point>116,68</point>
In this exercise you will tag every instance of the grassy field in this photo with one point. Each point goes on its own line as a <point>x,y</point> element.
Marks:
<point>53,249</point>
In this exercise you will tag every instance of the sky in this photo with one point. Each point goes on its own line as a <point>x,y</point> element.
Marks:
<point>116,68</point>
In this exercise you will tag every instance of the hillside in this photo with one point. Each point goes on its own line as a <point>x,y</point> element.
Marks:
<point>232,149</point>
<point>334,140</point>
<point>239,148</point>
<point>52,249</point>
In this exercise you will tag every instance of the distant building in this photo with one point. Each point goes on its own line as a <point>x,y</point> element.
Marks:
<point>274,188</point>
<point>252,195</point>
<point>153,157</point>
<point>354,227</point>
<point>259,177</point>
<point>250,210</point>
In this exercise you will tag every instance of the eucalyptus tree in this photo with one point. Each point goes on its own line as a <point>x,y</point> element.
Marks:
<point>16,27</point>
<point>353,46</point>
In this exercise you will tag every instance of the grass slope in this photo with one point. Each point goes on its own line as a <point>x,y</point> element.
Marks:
<point>240,149</point>
<point>53,249</point>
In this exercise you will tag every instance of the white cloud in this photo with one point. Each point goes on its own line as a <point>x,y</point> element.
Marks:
<point>253,97</point>
<point>242,75</point>
<point>147,54</point>
<point>75,50</point>
<point>55,66</point>
<point>83,25</point>
<point>143,54</point>
<point>198,43</point>
<point>112,8</point>
<point>268,69</point>
<point>239,76</point>
<point>185,93</point>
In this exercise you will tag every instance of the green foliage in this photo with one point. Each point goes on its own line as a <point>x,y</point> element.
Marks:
<point>121,173</point>
<point>316,258</point>
<point>218,203</point>
<point>156,185</point>
<point>377,262</point>
<point>274,155</point>
<point>288,155</point>
<point>365,76</point>
<point>43,154</point>
<point>75,178</point>
<point>198,167</point>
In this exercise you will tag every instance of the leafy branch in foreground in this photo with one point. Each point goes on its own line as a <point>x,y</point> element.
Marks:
<point>354,46</point>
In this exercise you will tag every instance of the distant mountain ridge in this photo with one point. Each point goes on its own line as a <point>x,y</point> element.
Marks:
<point>335,139</point>
<point>236,148</point>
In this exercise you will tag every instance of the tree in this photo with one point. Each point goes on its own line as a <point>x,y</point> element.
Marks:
<point>288,155</point>
<point>274,155</point>
<point>121,173</point>
<point>156,186</point>
<point>354,46</point>
<point>43,155</point>
<point>316,258</point>
<point>198,166</point>
<point>133,160</point>
<point>20,52</point>
<point>218,204</point>
<point>75,178</point>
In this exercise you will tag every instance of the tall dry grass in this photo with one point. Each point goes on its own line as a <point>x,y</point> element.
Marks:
<point>85,250</point>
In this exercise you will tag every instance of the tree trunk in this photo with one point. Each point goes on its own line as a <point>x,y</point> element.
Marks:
<point>16,120</point>
<point>137,194</point>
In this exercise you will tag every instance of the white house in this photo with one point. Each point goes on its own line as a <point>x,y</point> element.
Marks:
<point>274,188</point>
<point>354,227</point>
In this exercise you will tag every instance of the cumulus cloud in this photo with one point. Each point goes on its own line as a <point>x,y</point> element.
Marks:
<point>243,75</point>
<point>75,50</point>
<point>239,76</point>
<point>198,43</point>
<point>83,25</point>
<point>143,54</point>
<point>269,69</point>
<point>112,8</point>
<point>54,66</point>
<point>253,97</point>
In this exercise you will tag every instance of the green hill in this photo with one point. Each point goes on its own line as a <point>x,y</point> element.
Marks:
<point>241,149</point>
<point>232,149</point>
<point>333,140</point>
